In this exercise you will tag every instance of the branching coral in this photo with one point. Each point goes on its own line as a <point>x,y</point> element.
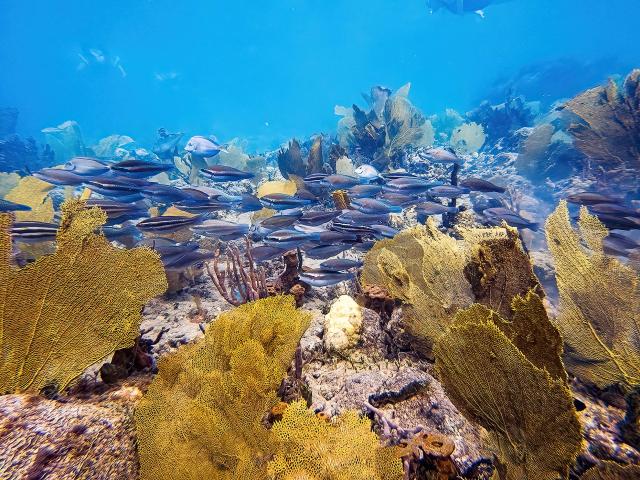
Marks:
<point>67,311</point>
<point>309,447</point>
<point>607,129</point>
<point>528,413</point>
<point>599,302</point>
<point>203,414</point>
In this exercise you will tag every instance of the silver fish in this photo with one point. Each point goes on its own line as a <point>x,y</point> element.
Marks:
<point>325,251</point>
<point>166,246</point>
<point>332,237</point>
<point>288,238</point>
<point>614,209</point>
<point>591,198</point>
<point>373,206</point>
<point>479,185</point>
<point>354,217</point>
<point>167,223</point>
<point>203,146</point>
<point>183,260</point>
<point>325,279</point>
<point>367,173</point>
<point>340,264</point>
<point>318,218</point>
<point>221,229</point>
<point>282,201</point>
<point>447,191</point>
<point>115,209</point>
<point>407,185</point>
<point>364,191</point>
<point>441,155</point>
<point>340,181</point>
<point>158,192</point>
<point>222,173</point>
<point>278,222</point>
<point>58,176</point>
<point>86,166</point>
<point>140,168</point>
<point>497,215</point>
<point>434,208</point>
<point>33,232</point>
<point>384,231</point>
<point>262,253</point>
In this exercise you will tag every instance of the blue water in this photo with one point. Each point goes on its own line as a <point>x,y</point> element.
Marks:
<point>269,70</point>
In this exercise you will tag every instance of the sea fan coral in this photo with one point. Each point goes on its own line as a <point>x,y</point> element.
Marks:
<point>202,416</point>
<point>528,413</point>
<point>67,311</point>
<point>606,128</point>
<point>405,124</point>
<point>468,138</point>
<point>612,471</point>
<point>599,302</point>
<point>309,447</point>
<point>34,193</point>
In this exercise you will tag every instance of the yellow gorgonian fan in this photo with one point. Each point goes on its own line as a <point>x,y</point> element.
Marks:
<point>599,302</point>
<point>34,193</point>
<point>309,447</point>
<point>67,311</point>
<point>203,414</point>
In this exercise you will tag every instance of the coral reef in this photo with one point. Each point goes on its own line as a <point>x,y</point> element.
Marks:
<point>202,416</point>
<point>67,311</point>
<point>605,125</point>
<point>88,438</point>
<point>342,324</point>
<point>532,423</point>
<point>343,448</point>
<point>467,138</point>
<point>599,302</point>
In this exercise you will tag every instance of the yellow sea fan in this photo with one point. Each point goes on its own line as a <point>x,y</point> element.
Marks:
<point>67,311</point>
<point>7,182</point>
<point>468,137</point>
<point>309,447</point>
<point>202,416</point>
<point>529,415</point>
<point>34,193</point>
<point>599,302</point>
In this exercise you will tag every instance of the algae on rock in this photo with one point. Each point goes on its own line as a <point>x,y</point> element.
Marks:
<point>66,311</point>
<point>599,302</point>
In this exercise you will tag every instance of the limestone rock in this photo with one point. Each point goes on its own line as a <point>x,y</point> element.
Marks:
<point>342,325</point>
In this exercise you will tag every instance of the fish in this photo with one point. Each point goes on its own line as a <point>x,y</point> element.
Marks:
<point>167,143</point>
<point>118,233</point>
<point>318,252</point>
<point>364,191</point>
<point>315,218</point>
<point>618,222</point>
<point>447,191</point>
<point>384,231</point>
<point>166,246</point>
<point>591,198</point>
<point>619,245</point>
<point>373,206</point>
<point>7,206</point>
<point>499,214</point>
<point>262,253</point>
<point>33,232</point>
<point>282,201</point>
<point>333,237</point>
<point>483,202</point>
<point>182,260</point>
<point>201,207</point>
<point>315,178</point>
<point>249,203</point>
<point>434,208</point>
<point>354,229</point>
<point>325,279</point>
<point>86,166</point>
<point>160,193</point>
<point>115,209</point>
<point>340,182</point>
<point>221,229</point>
<point>614,209</point>
<point>59,176</point>
<point>411,185</point>
<point>354,217</point>
<point>222,173</point>
<point>399,199</point>
<point>340,264</point>
<point>443,156</point>
<point>288,238</point>
<point>278,222</point>
<point>203,146</point>
<point>398,174</point>
<point>167,223</point>
<point>140,168</point>
<point>479,185</point>
<point>116,186</point>
<point>367,173</point>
